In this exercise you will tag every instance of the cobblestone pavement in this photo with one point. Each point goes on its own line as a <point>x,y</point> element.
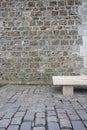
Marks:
<point>41,108</point>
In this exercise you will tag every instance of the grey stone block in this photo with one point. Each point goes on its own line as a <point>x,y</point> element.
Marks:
<point>4,123</point>
<point>78,125</point>
<point>29,116</point>
<point>16,121</point>
<point>53,126</point>
<point>51,119</point>
<point>65,123</point>
<point>40,122</point>
<point>39,128</point>
<point>13,127</point>
<point>26,126</point>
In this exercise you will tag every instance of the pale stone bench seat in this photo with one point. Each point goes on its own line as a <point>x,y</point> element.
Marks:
<point>68,82</point>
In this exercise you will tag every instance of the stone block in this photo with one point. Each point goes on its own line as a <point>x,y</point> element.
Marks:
<point>54,13</point>
<point>78,125</point>
<point>16,121</point>
<point>31,4</point>
<point>25,126</point>
<point>78,2</point>
<point>61,3</point>
<point>70,2</point>
<point>67,90</point>
<point>39,121</point>
<point>13,127</point>
<point>4,123</point>
<point>53,3</point>
<point>63,12</point>
<point>65,124</point>
<point>53,126</point>
<point>39,128</point>
<point>40,4</point>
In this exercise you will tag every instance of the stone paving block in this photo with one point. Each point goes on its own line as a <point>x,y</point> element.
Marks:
<point>53,126</point>
<point>82,111</point>
<point>13,109</point>
<point>2,129</point>
<point>40,122</point>
<point>52,119</point>
<point>85,122</point>
<point>74,117</point>
<point>9,115</point>
<point>83,116</point>
<point>26,126</point>
<point>16,121</point>
<point>19,114</point>
<point>66,129</point>
<point>71,111</point>
<point>62,116</point>
<point>4,123</point>
<point>1,114</point>
<point>78,125</point>
<point>13,127</point>
<point>51,113</point>
<point>39,128</point>
<point>50,108</point>
<point>22,109</point>
<point>29,116</point>
<point>60,111</point>
<point>40,115</point>
<point>65,124</point>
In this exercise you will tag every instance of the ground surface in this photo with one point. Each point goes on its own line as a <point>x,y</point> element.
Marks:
<point>41,108</point>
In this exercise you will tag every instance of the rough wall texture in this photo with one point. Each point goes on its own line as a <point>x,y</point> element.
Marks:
<point>83,33</point>
<point>39,38</point>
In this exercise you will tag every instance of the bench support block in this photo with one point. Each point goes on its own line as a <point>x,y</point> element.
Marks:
<point>67,90</point>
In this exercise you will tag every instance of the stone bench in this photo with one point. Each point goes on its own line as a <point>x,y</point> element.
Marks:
<point>68,82</point>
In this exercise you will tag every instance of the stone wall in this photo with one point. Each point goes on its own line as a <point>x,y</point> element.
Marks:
<point>83,33</point>
<point>39,38</point>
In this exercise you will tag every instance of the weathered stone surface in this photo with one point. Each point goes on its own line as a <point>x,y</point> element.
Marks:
<point>70,2</point>
<point>40,121</point>
<point>29,116</point>
<point>26,126</point>
<point>13,127</point>
<point>52,119</point>
<point>41,108</point>
<point>35,34</point>
<point>78,125</point>
<point>53,126</point>
<point>16,121</point>
<point>64,124</point>
<point>39,128</point>
<point>4,123</point>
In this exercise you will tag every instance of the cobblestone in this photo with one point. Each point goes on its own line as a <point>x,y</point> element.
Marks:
<point>78,125</point>
<point>4,123</point>
<point>53,126</point>
<point>40,122</point>
<point>41,108</point>
<point>39,128</point>
<point>64,123</point>
<point>26,126</point>
<point>16,121</point>
<point>13,127</point>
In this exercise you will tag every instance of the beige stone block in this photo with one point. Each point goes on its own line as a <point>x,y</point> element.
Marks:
<point>67,90</point>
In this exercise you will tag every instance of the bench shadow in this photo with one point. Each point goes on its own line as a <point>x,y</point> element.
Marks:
<point>77,89</point>
<point>80,89</point>
<point>56,89</point>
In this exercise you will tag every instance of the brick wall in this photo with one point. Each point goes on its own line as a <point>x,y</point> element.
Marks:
<point>39,38</point>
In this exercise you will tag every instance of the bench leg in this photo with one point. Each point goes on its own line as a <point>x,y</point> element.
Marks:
<point>67,90</point>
